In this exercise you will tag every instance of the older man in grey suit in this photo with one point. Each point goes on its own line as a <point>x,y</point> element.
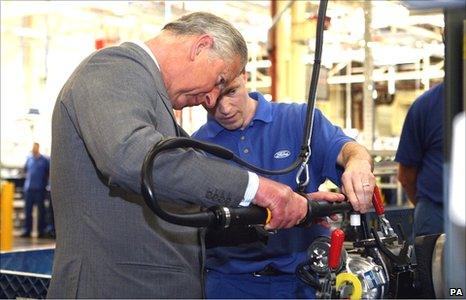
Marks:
<point>113,108</point>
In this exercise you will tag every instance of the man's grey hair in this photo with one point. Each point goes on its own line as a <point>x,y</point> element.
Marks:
<point>228,41</point>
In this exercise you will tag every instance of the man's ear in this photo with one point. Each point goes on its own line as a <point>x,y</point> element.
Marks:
<point>203,42</point>
<point>210,111</point>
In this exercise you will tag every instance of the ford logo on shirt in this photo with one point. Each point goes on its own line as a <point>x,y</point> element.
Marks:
<point>282,154</point>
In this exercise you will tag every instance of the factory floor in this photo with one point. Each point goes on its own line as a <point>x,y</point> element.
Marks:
<point>21,243</point>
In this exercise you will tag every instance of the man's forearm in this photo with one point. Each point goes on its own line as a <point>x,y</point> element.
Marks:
<point>411,192</point>
<point>353,151</point>
<point>407,176</point>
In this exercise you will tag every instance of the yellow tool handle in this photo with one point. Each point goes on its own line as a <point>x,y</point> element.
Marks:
<point>269,216</point>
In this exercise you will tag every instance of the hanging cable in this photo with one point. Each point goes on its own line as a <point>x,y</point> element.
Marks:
<point>222,216</point>
<point>311,100</point>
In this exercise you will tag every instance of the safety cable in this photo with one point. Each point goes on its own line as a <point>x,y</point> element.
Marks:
<point>311,100</point>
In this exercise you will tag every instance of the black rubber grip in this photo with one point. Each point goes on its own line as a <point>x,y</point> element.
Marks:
<point>323,208</point>
<point>320,209</point>
<point>253,215</point>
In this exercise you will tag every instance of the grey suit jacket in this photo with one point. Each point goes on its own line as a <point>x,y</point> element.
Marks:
<point>112,109</point>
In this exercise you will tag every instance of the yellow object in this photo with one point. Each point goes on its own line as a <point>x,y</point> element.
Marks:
<point>344,278</point>
<point>464,46</point>
<point>6,215</point>
<point>269,216</point>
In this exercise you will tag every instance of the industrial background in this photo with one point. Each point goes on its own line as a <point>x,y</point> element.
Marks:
<point>378,57</point>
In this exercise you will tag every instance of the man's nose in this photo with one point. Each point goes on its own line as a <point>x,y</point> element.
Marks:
<point>210,99</point>
<point>224,107</point>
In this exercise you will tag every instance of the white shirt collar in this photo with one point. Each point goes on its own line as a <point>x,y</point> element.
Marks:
<point>146,48</point>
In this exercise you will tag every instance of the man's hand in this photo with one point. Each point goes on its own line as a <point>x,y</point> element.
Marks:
<point>358,180</point>
<point>330,197</point>
<point>358,184</point>
<point>287,207</point>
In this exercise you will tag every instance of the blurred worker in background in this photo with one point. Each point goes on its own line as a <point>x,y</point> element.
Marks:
<point>116,105</point>
<point>420,157</point>
<point>269,135</point>
<point>37,177</point>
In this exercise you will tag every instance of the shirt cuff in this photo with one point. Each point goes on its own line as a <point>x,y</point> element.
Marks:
<point>251,189</point>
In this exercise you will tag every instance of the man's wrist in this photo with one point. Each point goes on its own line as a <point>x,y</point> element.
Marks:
<point>360,162</point>
<point>251,189</point>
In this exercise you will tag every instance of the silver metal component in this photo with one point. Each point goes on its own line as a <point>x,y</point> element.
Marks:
<point>386,228</point>
<point>327,283</point>
<point>437,267</point>
<point>318,256</point>
<point>304,167</point>
<point>318,253</point>
<point>370,274</point>
<point>346,290</point>
<point>384,270</point>
<point>227,217</point>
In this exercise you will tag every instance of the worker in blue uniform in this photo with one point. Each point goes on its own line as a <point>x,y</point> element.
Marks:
<point>37,176</point>
<point>420,157</point>
<point>269,135</point>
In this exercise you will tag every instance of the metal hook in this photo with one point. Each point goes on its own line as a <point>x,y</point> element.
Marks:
<point>304,167</point>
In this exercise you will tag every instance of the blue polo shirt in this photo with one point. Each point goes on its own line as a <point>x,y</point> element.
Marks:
<point>273,141</point>
<point>37,173</point>
<point>421,143</point>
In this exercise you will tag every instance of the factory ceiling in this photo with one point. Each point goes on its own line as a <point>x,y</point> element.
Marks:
<point>398,35</point>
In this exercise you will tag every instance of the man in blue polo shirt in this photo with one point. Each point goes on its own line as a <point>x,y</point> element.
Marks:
<point>269,135</point>
<point>37,175</point>
<point>420,154</point>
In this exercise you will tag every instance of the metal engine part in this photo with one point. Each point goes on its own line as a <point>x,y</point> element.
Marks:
<point>370,274</point>
<point>318,253</point>
<point>437,267</point>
